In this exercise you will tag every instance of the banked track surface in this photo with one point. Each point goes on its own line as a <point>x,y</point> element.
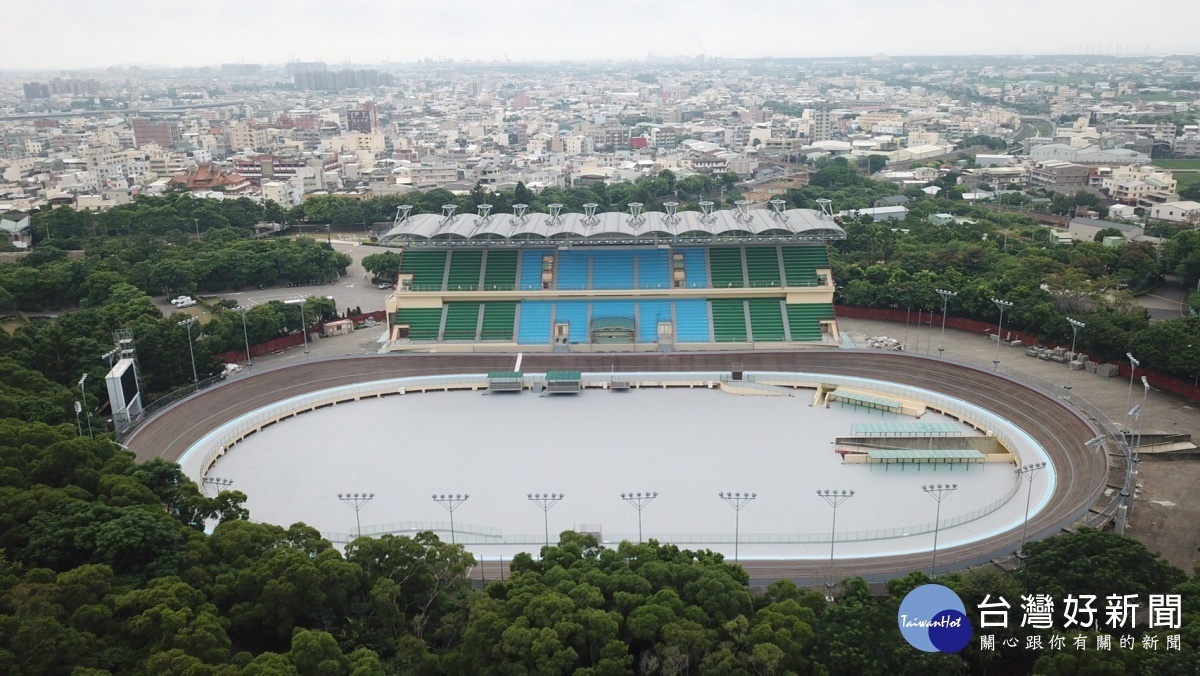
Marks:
<point>1082,473</point>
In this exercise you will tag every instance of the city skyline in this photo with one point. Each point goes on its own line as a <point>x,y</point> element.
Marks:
<point>536,30</point>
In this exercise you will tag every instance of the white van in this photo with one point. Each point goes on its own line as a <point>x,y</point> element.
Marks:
<point>184,301</point>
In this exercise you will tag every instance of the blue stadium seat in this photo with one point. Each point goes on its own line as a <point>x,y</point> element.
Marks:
<point>535,321</point>
<point>695,268</point>
<point>650,313</point>
<point>531,270</point>
<point>691,317</point>
<point>612,269</point>
<point>572,270</point>
<point>654,269</point>
<point>575,314</point>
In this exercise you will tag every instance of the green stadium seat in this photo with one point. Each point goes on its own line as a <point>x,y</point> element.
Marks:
<point>729,320</point>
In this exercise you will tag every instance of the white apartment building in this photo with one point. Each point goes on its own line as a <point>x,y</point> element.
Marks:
<point>427,176</point>
<point>1177,212</point>
<point>285,194</point>
<point>579,144</point>
<point>243,136</point>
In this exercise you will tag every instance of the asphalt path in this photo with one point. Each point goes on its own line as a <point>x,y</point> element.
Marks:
<point>1082,473</point>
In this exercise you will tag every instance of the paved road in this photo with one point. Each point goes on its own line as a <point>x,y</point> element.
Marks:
<point>1083,473</point>
<point>1168,302</point>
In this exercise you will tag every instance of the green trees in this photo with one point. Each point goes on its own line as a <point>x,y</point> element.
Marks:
<point>382,265</point>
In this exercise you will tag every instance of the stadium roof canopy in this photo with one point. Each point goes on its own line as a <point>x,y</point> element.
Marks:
<point>613,227</point>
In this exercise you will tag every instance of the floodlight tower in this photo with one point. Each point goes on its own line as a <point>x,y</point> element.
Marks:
<point>938,492</point>
<point>545,501</point>
<point>946,296</point>
<point>1002,305</point>
<point>639,501</point>
<point>737,501</point>
<point>451,503</point>
<point>835,499</point>
<point>1075,326</point>
<point>356,501</point>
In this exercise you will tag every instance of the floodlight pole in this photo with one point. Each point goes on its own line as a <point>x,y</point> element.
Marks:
<point>356,501</point>
<point>639,501</point>
<point>78,426</point>
<point>216,482</point>
<point>1133,364</point>
<point>1028,472</point>
<point>304,327</point>
<point>938,492</point>
<point>835,499</point>
<point>1141,417</point>
<point>187,324</point>
<point>1075,326</point>
<point>1002,305</point>
<point>946,296</point>
<point>83,397</point>
<point>737,501</point>
<point>451,503</point>
<point>242,310</point>
<point>545,501</point>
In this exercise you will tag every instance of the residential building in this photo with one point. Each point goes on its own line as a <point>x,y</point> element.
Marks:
<point>36,90</point>
<point>165,135</point>
<point>1059,175</point>
<point>285,194</point>
<point>1177,212</point>
<point>1085,229</point>
<point>823,124</point>
<point>364,120</point>
<point>427,176</point>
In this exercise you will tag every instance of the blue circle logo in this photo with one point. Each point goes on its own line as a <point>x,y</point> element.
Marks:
<point>932,618</point>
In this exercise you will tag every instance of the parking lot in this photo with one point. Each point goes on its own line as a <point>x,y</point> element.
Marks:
<point>354,289</point>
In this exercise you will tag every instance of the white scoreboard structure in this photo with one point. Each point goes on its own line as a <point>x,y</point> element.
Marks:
<point>124,393</point>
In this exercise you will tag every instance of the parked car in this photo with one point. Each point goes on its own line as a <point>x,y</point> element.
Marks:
<point>385,286</point>
<point>183,301</point>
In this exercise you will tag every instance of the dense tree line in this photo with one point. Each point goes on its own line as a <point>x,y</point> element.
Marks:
<point>107,568</point>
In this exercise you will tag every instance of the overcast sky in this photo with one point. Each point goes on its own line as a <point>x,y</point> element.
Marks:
<point>99,33</point>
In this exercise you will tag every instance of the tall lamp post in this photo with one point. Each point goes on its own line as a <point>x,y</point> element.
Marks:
<point>78,410</point>
<point>737,501</point>
<point>304,326</point>
<point>639,501</point>
<point>216,482</point>
<point>1141,417</point>
<point>835,500</point>
<point>545,501</point>
<point>451,503</point>
<point>187,324</point>
<point>356,501</point>
<point>938,492</point>
<point>1028,472</point>
<point>946,296</point>
<point>1002,305</point>
<point>242,310</point>
<point>83,398</point>
<point>1075,326</point>
<point>1133,364</point>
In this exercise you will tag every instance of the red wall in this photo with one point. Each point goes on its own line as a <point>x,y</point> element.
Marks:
<point>1157,380</point>
<point>259,349</point>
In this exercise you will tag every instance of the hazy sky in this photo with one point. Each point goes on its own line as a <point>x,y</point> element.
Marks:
<point>97,33</point>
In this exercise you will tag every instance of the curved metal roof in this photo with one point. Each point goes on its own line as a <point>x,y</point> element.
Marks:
<point>790,223</point>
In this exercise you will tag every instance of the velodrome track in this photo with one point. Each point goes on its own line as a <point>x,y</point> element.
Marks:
<point>1082,473</point>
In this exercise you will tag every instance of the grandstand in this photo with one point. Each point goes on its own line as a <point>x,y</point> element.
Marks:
<point>675,280</point>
